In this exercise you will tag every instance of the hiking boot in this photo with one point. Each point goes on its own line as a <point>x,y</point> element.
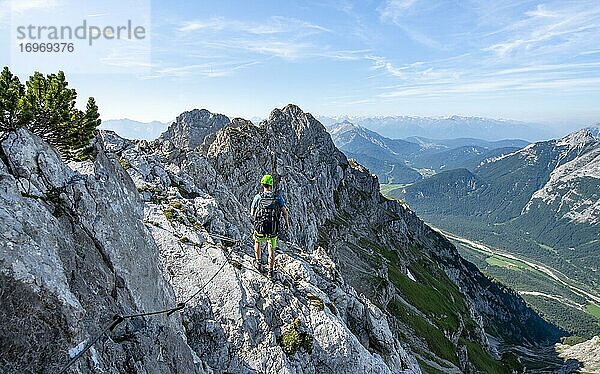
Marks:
<point>270,273</point>
<point>257,265</point>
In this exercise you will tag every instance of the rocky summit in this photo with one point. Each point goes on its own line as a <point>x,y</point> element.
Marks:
<point>362,285</point>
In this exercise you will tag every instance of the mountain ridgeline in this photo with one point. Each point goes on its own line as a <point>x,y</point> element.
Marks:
<point>362,284</point>
<point>450,127</point>
<point>397,161</point>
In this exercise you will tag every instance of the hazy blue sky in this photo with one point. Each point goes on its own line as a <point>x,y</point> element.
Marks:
<point>525,60</point>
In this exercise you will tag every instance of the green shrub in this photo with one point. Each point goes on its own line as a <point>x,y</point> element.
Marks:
<point>14,111</point>
<point>183,192</point>
<point>124,164</point>
<point>293,339</point>
<point>169,213</point>
<point>52,196</point>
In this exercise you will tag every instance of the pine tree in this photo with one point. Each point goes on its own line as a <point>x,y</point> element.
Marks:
<point>52,105</point>
<point>85,129</point>
<point>13,111</point>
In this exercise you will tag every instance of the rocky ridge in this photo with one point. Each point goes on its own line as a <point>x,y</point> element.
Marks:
<point>567,189</point>
<point>145,221</point>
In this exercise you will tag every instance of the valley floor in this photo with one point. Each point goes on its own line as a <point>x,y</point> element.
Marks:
<point>562,298</point>
<point>514,261</point>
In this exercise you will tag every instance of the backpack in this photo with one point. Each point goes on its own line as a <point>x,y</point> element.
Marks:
<point>267,216</point>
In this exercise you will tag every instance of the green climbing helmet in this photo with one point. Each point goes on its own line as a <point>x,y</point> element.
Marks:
<point>267,179</point>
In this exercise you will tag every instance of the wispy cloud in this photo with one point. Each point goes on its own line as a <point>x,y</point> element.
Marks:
<point>551,29</point>
<point>423,81</point>
<point>394,9</point>
<point>399,13</point>
<point>94,15</point>
<point>497,86</point>
<point>286,38</point>
<point>344,55</point>
<point>381,63</point>
<point>125,59</point>
<point>290,51</point>
<point>205,70</point>
<point>281,49</point>
<point>275,25</point>
<point>423,72</point>
<point>225,46</point>
<point>575,68</point>
<point>421,37</point>
<point>542,47</point>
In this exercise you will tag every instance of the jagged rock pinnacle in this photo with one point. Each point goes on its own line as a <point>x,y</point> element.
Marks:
<point>293,122</point>
<point>191,128</point>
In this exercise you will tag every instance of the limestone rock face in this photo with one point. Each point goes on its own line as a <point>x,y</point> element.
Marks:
<point>73,252</point>
<point>361,283</point>
<point>587,352</point>
<point>190,128</point>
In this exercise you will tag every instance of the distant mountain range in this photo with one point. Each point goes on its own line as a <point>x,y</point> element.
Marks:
<point>409,160</point>
<point>554,184</point>
<point>541,203</point>
<point>394,127</point>
<point>388,158</point>
<point>452,127</point>
<point>131,129</point>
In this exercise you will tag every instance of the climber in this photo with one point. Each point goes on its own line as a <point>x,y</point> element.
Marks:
<point>267,207</point>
